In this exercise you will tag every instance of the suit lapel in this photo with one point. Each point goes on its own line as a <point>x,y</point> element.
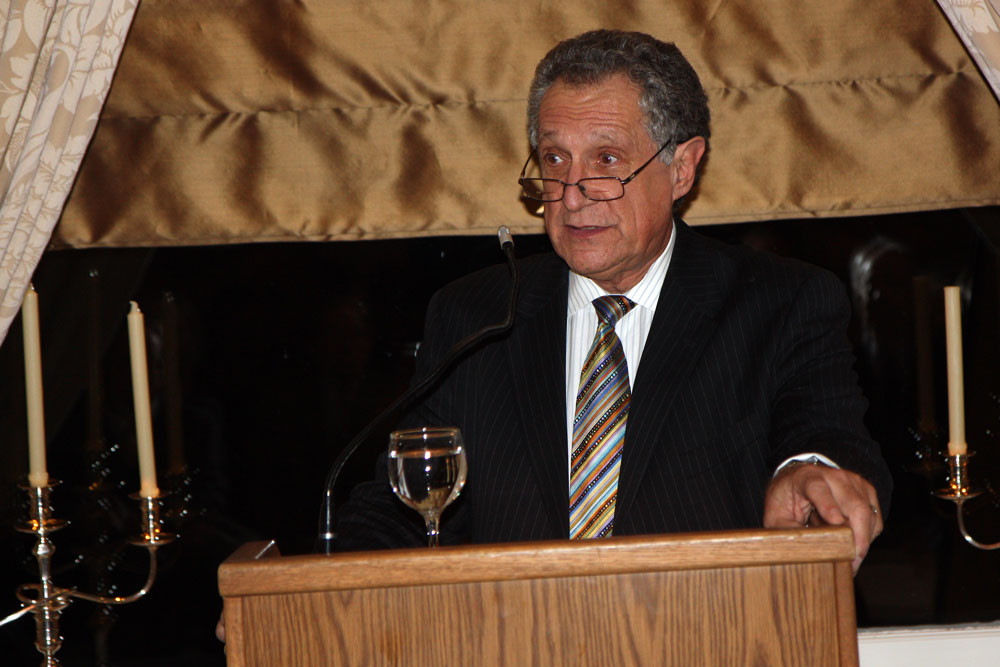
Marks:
<point>538,367</point>
<point>685,317</point>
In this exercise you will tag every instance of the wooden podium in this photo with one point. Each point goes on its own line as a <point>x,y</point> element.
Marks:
<point>761,597</point>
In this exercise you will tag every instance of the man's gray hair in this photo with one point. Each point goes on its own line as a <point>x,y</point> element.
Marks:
<point>671,97</point>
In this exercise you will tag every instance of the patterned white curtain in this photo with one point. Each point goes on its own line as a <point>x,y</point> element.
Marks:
<point>57,59</point>
<point>977,22</point>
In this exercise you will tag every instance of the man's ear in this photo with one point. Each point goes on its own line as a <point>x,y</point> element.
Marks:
<point>685,164</point>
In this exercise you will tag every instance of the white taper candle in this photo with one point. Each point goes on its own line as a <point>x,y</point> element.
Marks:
<point>140,398</point>
<point>37,473</point>
<point>956,390</point>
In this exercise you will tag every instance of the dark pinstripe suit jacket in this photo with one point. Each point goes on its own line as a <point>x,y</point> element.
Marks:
<point>747,363</point>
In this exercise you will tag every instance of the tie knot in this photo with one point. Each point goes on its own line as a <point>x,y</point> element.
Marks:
<point>612,308</point>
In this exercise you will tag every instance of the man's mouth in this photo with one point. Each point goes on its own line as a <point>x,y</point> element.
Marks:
<point>586,231</point>
<point>588,228</point>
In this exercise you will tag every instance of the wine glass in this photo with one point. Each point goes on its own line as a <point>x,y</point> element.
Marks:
<point>427,471</point>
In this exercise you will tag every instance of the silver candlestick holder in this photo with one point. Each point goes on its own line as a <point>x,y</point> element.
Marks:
<point>958,491</point>
<point>46,600</point>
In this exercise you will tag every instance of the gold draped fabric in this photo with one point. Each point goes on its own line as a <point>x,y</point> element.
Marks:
<point>235,121</point>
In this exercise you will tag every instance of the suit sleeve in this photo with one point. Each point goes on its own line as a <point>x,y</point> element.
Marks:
<point>818,405</point>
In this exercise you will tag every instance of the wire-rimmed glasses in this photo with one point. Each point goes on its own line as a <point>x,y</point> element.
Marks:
<point>596,188</point>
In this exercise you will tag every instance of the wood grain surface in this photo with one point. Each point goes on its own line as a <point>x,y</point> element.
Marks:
<point>405,567</point>
<point>745,598</point>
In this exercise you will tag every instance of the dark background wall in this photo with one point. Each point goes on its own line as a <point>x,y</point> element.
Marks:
<point>266,359</point>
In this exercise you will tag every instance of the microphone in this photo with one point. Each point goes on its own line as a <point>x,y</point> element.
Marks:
<point>506,240</point>
<point>326,536</point>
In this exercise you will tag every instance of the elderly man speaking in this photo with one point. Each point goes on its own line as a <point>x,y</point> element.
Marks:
<point>654,380</point>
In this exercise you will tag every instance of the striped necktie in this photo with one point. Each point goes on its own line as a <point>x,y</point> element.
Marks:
<point>599,426</point>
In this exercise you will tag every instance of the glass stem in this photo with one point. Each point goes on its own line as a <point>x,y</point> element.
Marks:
<point>433,531</point>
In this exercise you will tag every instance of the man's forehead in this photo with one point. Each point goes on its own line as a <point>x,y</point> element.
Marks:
<point>605,110</point>
<point>594,134</point>
<point>617,84</point>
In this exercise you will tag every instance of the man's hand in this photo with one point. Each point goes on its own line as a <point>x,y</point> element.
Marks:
<point>805,494</point>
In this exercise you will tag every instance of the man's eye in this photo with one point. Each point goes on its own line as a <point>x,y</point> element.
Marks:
<point>607,159</point>
<point>551,159</point>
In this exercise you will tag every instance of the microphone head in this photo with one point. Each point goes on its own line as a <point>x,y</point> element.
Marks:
<point>504,235</point>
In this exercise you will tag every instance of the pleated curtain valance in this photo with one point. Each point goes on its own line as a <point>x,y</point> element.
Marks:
<point>236,121</point>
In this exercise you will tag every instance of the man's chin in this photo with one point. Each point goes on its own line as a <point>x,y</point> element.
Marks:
<point>588,267</point>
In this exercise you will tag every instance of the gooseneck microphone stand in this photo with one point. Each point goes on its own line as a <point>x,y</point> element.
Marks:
<point>326,536</point>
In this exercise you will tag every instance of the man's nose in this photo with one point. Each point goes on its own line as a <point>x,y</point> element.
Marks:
<point>573,197</point>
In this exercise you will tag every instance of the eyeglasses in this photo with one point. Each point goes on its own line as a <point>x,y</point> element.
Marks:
<point>596,188</point>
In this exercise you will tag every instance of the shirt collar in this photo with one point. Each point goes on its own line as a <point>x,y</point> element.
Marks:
<point>646,293</point>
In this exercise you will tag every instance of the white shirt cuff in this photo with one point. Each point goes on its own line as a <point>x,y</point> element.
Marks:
<point>808,457</point>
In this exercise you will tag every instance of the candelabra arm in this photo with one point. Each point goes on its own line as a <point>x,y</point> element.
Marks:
<point>19,613</point>
<point>968,538</point>
<point>119,599</point>
<point>958,491</point>
<point>46,600</point>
